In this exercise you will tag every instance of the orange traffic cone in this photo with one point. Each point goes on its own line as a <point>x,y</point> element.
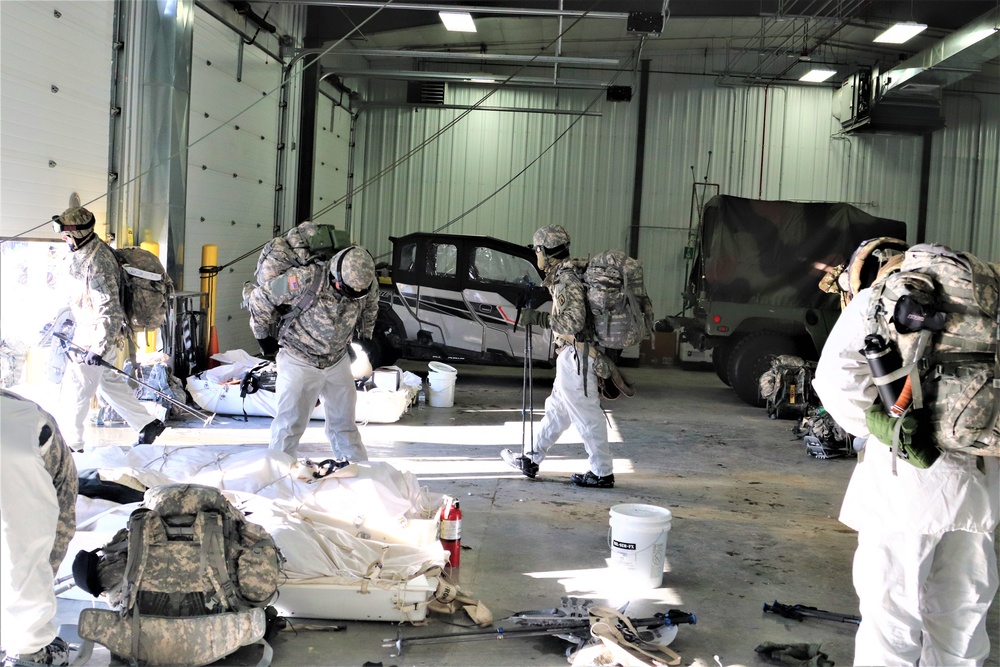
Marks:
<point>213,347</point>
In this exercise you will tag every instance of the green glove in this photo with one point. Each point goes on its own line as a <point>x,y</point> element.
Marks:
<point>916,448</point>
<point>530,316</point>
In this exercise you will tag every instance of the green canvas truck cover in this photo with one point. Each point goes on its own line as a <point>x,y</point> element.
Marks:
<point>774,253</point>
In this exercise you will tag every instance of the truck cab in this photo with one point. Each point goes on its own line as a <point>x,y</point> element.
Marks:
<point>753,291</point>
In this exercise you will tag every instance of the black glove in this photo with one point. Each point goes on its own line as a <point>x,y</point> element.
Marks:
<point>268,346</point>
<point>93,359</point>
<point>531,316</point>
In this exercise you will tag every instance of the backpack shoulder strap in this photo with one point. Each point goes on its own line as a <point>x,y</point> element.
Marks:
<point>213,557</point>
<point>308,296</point>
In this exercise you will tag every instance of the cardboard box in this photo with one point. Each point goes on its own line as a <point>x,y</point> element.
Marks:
<point>660,350</point>
<point>388,377</point>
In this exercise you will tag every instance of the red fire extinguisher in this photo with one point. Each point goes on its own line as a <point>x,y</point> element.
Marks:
<point>451,531</point>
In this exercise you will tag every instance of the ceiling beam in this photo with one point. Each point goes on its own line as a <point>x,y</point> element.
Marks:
<point>486,57</point>
<point>470,78</point>
<point>504,11</point>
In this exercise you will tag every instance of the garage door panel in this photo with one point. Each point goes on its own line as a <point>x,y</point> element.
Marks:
<point>231,171</point>
<point>68,127</point>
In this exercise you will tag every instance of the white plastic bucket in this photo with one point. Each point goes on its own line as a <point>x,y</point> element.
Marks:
<point>638,541</point>
<point>441,385</point>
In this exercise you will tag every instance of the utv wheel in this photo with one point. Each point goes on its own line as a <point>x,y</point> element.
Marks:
<point>750,358</point>
<point>380,351</point>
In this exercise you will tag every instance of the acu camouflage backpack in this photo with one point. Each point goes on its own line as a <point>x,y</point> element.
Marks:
<point>307,243</point>
<point>941,311</point>
<point>188,580</point>
<point>787,386</point>
<point>145,287</point>
<point>617,303</point>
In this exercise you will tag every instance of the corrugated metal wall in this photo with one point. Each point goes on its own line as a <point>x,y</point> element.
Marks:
<point>231,167</point>
<point>779,142</point>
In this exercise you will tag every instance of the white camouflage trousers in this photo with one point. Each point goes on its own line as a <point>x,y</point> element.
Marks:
<point>79,386</point>
<point>567,405</point>
<point>298,386</point>
<point>924,598</point>
<point>29,514</point>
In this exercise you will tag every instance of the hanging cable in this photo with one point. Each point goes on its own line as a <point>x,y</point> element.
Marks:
<point>448,126</point>
<point>576,120</point>
<point>226,123</point>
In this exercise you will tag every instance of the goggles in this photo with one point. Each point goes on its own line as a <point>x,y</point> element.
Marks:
<point>59,227</point>
<point>347,290</point>
<point>550,251</point>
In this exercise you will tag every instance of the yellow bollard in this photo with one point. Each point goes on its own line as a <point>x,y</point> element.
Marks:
<point>210,257</point>
<point>149,344</point>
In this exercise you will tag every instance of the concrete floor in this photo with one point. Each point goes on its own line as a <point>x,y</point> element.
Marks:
<point>754,520</point>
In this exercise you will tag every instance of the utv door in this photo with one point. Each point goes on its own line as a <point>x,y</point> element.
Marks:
<point>501,283</point>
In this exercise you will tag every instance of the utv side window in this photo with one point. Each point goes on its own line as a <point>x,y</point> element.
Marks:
<point>495,266</point>
<point>442,259</point>
<point>408,257</point>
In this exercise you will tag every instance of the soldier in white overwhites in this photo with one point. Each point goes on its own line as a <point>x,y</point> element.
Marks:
<point>925,569</point>
<point>38,489</point>
<point>94,300</point>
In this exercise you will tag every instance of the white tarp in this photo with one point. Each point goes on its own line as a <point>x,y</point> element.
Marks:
<point>367,523</point>
<point>218,390</point>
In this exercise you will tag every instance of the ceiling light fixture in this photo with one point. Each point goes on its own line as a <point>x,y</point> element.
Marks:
<point>482,80</point>
<point>458,21</point>
<point>817,75</point>
<point>901,32</point>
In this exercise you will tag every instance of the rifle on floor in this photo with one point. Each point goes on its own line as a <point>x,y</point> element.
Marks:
<point>573,627</point>
<point>81,352</point>
<point>800,612</point>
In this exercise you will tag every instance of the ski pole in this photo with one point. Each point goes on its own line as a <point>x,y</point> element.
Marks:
<point>531,396</point>
<point>170,399</point>
<point>799,612</point>
<point>524,384</point>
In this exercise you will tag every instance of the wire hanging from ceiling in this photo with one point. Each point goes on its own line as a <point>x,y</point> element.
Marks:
<point>423,144</point>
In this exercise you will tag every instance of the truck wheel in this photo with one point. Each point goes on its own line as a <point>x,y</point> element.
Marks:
<point>750,358</point>
<point>720,361</point>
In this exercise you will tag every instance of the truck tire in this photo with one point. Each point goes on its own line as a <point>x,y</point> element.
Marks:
<point>720,360</point>
<point>750,358</point>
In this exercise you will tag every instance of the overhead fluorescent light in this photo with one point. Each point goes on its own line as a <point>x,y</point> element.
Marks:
<point>901,32</point>
<point>817,75</point>
<point>482,80</point>
<point>458,21</point>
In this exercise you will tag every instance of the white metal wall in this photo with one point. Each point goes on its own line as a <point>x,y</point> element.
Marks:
<point>779,142</point>
<point>458,183</point>
<point>231,167</point>
<point>55,63</point>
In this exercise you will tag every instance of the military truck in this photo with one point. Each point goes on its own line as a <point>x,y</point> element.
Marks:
<point>753,288</point>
